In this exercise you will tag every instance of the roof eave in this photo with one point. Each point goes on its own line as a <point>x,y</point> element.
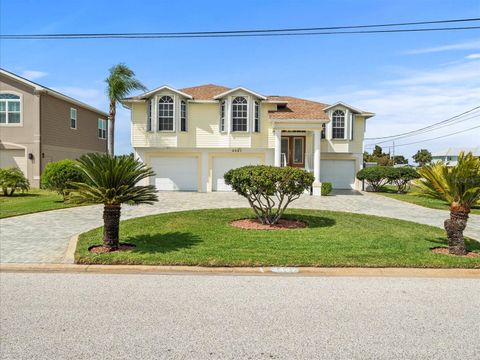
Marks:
<point>240,88</point>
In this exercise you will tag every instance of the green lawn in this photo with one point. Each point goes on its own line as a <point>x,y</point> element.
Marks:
<point>204,237</point>
<point>32,201</point>
<point>389,191</point>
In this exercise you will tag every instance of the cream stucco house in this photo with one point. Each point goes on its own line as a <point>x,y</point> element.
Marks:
<point>192,136</point>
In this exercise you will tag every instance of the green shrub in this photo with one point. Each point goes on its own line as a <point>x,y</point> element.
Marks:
<point>401,177</point>
<point>58,175</point>
<point>326,188</point>
<point>376,176</point>
<point>11,180</point>
<point>269,189</point>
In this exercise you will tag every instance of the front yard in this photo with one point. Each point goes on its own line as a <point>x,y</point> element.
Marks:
<point>32,201</point>
<point>205,237</point>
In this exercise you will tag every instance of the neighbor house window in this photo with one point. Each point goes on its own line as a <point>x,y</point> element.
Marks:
<point>149,115</point>
<point>239,114</point>
<point>10,112</point>
<point>338,124</point>
<point>102,128</point>
<point>257,117</point>
<point>183,116</point>
<point>73,118</point>
<point>165,114</point>
<point>222,116</point>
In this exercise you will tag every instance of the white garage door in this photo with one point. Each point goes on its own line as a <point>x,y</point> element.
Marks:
<point>175,173</point>
<point>13,158</point>
<point>341,173</point>
<point>222,164</point>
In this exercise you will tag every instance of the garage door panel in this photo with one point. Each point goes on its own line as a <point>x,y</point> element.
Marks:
<point>13,158</point>
<point>175,173</point>
<point>341,173</point>
<point>223,164</point>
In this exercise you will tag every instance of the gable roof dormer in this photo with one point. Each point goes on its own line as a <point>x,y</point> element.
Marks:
<point>240,88</point>
<point>163,87</point>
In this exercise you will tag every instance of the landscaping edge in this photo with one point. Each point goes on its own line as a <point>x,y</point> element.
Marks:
<point>258,271</point>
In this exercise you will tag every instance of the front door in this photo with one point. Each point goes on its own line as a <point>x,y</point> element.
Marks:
<point>293,151</point>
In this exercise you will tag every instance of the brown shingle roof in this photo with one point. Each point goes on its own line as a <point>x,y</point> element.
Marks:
<point>298,109</point>
<point>204,92</point>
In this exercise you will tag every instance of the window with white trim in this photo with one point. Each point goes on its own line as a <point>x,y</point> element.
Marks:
<point>222,116</point>
<point>239,114</point>
<point>183,115</point>
<point>149,114</point>
<point>10,108</point>
<point>165,114</point>
<point>256,125</point>
<point>102,128</point>
<point>338,124</point>
<point>73,118</point>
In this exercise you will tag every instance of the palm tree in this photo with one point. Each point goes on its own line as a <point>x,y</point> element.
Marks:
<point>120,83</point>
<point>112,181</point>
<point>459,186</point>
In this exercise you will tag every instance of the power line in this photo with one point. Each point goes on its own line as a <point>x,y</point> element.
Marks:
<point>242,31</point>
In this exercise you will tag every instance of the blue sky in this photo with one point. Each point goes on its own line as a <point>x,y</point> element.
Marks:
<point>408,80</point>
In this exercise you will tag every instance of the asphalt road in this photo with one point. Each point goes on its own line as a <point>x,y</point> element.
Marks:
<point>111,316</point>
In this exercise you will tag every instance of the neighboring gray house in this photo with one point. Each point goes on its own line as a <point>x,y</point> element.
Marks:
<point>39,125</point>
<point>450,155</point>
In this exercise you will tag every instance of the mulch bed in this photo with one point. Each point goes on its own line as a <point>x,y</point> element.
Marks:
<point>444,250</point>
<point>255,224</point>
<point>100,249</point>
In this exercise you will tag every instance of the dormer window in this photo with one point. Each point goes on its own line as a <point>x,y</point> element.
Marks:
<point>183,115</point>
<point>165,114</point>
<point>239,114</point>
<point>338,124</point>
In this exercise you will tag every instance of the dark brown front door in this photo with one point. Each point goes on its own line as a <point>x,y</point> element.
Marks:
<point>293,151</point>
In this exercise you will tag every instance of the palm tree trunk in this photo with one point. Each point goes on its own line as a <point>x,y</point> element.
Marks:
<point>111,226</point>
<point>111,127</point>
<point>454,227</point>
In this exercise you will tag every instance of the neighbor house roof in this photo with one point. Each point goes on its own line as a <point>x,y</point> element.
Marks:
<point>54,93</point>
<point>453,151</point>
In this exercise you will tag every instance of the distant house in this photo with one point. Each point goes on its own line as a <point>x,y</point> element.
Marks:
<point>39,125</point>
<point>450,155</point>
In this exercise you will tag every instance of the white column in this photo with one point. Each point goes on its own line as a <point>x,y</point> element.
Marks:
<point>278,148</point>
<point>317,186</point>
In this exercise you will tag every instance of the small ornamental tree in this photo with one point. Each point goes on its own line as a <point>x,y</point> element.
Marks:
<point>269,189</point>
<point>376,176</point>
<point>12,179</point>
<point>422,157</point>
<point>401,177</point>
<point>59,175</point>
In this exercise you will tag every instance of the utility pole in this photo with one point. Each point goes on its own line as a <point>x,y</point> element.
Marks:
<point>393,151</point>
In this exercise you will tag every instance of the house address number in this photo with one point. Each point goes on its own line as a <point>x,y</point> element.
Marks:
<point>237,150</point>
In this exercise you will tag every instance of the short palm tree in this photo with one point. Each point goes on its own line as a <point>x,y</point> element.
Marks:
<point>112,181</point>
<point>459,186</point>
<point>120,83</point>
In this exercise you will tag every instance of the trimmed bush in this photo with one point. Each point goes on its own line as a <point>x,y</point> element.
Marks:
<point>58,175</point>
<point>401,177</point>
<point>376,176</point>
<point>12,179</point>
<point>269,189</point>
<point>326,188</point>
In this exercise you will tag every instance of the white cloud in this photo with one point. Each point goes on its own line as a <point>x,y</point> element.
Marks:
<point>33,74</point>
<point>473,56</point>
<point>469,45</point>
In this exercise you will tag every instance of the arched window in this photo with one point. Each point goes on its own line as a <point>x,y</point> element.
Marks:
<point>183,115</point>
<point>165,114</point>
<point>10,109</point>
<point>239,114</point>
<point>338,124</point>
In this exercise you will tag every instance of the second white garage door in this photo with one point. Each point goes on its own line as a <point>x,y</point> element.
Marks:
<point>222,164</point>
<point>175,173</point>
<point>341,173</point>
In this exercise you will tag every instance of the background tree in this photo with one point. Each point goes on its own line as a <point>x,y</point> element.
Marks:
<point>459,186</point>
<point>120,83</point>
<point>399,159</point>
<point>58,176</point>
<point>422,157</point>
<point>378,152</point>
<point>112,181</point>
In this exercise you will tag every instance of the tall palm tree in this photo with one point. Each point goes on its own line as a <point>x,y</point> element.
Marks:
<point>112,181</point>
<point>459,186</point>
<point>120,83</point>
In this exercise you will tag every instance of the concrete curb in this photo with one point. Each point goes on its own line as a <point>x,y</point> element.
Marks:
<point>275,271</point>
<point>69,257</point>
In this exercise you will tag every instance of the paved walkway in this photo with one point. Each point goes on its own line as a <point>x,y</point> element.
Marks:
<point>43,237</point>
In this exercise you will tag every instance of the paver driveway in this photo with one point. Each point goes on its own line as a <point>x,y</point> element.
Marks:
<point>44,237</point>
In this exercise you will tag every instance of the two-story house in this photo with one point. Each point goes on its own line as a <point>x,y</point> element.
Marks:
<point>191,137</point>
<point>39,125</point>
